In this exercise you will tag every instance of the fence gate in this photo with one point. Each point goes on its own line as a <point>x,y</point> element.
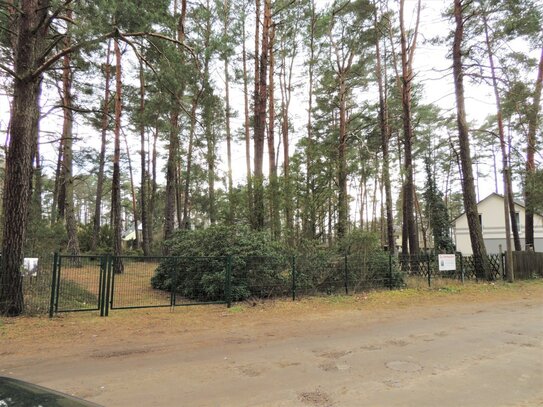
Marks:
<point>78,283</point>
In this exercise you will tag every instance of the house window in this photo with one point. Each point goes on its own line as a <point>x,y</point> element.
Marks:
<point>481,220</point>
<point>517,219</point>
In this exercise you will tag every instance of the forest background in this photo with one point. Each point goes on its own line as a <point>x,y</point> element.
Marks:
<point>316,123</point>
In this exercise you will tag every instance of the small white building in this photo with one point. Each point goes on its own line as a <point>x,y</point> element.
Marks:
<point>492,219</point>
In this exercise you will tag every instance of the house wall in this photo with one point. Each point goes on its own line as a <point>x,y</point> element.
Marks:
<point>493,222</point>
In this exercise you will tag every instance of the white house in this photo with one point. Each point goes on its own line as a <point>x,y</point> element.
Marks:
<point>492,219</point>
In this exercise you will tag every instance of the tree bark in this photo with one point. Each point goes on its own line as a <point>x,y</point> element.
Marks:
<point>406,82</point>
<point>144,174</point>
<point>102,155</point>
<point>285,80</point>
<point>208,129</point>
<point>116,220</point>
<point>385,138</point>
<point>153,187</point>
<point>230,217</point>
<point>188,179</point>
<point>246,126</point>
<point>28,46</point>
<point>533,118</point>
<point>173,148</point>
<point>260,122</point>
<point>273,187</point>
<point>67,161</point>
<point>133,193</point>
<point>309,221</point>
<point>468,185</point>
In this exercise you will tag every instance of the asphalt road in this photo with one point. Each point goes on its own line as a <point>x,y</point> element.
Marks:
<point>487,354</point>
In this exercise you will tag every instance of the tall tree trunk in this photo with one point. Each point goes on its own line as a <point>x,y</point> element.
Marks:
<point>468,185</point>
<point>171,169</point>
<point>116,181</point>
<point>133,193</point>
<point>343,211</point>
<point>56,187</point>
<point>173,147</point>
<point>37,191</point>
<point>260,122</point>
<point>509,202</point>
<point>102,156</point>
<point>144,174</point>
<point>186,201</point>
<point>533,116</point>
<point>407,82</point>
<point>208,129</point>
<point>153,186</point>
<point>28,46</point>
<point>309,221</point>
<point>67,162</point>
<point>289,51</point>
<point>178,193</point>
<point>385,138</point>
<point>246,126</point>
<point>230,216</point>
<point>274,187</point>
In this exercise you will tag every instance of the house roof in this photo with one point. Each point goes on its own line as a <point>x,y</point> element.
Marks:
<point>519,203</point>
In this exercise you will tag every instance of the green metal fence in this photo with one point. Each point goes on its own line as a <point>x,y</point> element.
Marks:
<point>63,283</point>
<point>78,283</point>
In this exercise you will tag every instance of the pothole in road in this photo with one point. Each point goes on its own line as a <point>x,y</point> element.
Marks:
<point>404,366</point>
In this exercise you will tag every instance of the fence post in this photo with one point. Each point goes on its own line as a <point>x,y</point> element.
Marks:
<point>57,288</point>
<point>173,288</point>
<point>462,268</point>
<point>109,284</point>
<point>228,287</point>
<point>501,263</point>
<point>53,285</point>
<point>346,275</point>
<point>429,271</point>
<point>102,289</point>
<point>390,283</point>
<point>293,269</point>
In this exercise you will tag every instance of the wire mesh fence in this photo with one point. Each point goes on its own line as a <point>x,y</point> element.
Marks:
<point>79,281</point>
<point>98,283</point>
<point>36,275</point>
<point>133,287</point>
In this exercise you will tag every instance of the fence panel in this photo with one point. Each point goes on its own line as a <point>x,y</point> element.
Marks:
<point>198,280</point>
<point>79,283</point>
<point>372,271</point>
<point>471,271</point>
<point>132,288</point>
<point>261,277</point>
<point>527,265</point>
<point>37,278</point>
<point>320,274</point>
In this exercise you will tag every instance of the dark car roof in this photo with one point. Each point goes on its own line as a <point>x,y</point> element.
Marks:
<point>17,393</point>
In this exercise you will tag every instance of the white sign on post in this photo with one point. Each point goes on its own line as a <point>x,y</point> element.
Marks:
<point>447,262</point>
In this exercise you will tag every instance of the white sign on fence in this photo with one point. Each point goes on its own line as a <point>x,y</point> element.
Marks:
<point>447,262</point>
<point>30,267</point>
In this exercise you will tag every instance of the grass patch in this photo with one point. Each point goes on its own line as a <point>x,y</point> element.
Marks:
<point>75,296</point>
<point>236,309</point>
<point>339,299</point>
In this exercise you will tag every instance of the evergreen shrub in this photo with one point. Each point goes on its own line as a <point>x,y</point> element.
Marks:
<point>196,265</point>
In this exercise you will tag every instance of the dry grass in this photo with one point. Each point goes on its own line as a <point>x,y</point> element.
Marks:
<point>122,325</point>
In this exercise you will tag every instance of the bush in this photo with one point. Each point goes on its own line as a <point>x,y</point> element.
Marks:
<point>198,270</point>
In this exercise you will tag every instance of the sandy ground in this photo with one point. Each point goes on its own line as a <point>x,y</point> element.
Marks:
<point>476,347</point>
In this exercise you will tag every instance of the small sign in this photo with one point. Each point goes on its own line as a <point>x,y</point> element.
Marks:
<point>30,267</point>
<point>447,262</point>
